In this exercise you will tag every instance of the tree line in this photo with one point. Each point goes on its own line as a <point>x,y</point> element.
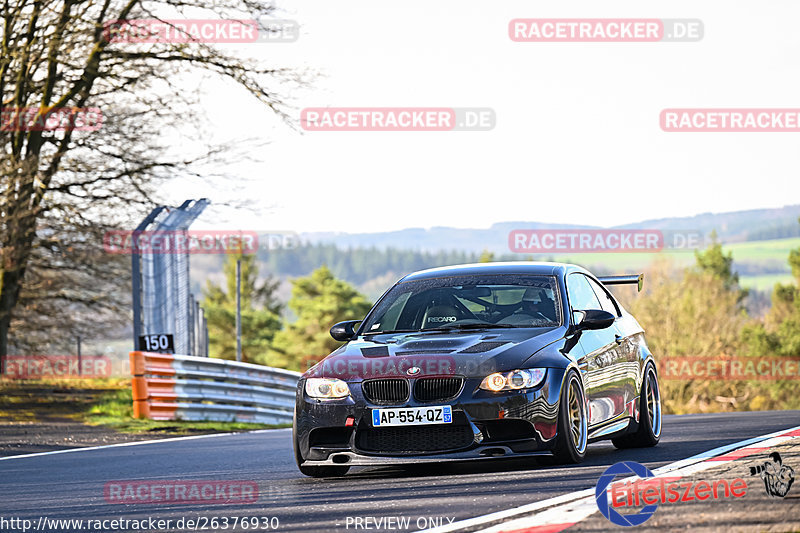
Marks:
<point>693,312</point>
<point>356,265</point>
<point>699,313</point>
<point>317,302</point>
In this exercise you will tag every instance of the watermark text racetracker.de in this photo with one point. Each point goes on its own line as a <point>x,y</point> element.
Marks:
<point>384,365</point>
<point>51,119</point>
<point>187,491</point>
<point>397,119</point>
<point>150,524</point>
<point>56,366</point>
<point>182,31</point>
<point>196,241</point>
<point>730,368</point>
<point>541,241</point>
<point>730,120</point>
<point>370,367</point>
<point>610,30</point>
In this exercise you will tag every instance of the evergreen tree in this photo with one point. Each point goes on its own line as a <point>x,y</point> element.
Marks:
<point>780,331</point>
<point>319,301</point>
<point>260,312</point>
<point>718,264</point>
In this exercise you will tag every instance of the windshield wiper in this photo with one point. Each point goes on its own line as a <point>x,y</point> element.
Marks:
<point>483,325</point>
<point>390,331</point>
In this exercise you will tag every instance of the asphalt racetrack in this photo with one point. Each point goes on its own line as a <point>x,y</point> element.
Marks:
<point>71,485</point>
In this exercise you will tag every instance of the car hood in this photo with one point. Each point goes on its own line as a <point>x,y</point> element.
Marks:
<point>467,353</point>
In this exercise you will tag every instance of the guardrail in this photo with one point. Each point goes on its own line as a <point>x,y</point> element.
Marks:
<point>182,387</point>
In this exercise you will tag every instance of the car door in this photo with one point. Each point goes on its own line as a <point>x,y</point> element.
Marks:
<point>626,362</point>
<point>605,396</point>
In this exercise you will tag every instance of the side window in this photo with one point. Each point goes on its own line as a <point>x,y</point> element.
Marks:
<point>392,315</point>
<point>605,300</point>
<point>581,295</point>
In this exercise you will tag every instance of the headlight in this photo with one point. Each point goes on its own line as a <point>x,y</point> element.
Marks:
<point>514,380</point>
<point>327,388</point>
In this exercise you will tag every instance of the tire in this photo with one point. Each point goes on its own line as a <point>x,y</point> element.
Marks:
<point>317,471</point>
<point>648,432</point>
<point>572,435</point>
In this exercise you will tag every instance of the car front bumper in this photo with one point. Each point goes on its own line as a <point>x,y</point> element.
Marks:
<point>485,425</point>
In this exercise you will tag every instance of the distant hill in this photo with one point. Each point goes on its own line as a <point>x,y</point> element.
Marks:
<point>759,239</point>
<point>435,239</point>
<point>736,226</point>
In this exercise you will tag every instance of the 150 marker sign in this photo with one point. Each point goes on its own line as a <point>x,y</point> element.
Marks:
<point>159,343</point>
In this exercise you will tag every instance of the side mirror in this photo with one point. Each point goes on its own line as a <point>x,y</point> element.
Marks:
<point>595,319</point>
<point>344,331</point>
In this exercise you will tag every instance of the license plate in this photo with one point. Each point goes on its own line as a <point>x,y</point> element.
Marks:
<point>412,416</point>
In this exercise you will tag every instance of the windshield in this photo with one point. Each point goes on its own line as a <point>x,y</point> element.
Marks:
<point>496,301</point>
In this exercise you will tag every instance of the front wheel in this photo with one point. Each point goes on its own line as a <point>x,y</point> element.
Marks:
<point>649,431</point>
<point>572,435</point>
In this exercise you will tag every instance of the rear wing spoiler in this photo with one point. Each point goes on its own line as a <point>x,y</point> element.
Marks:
<point>638,279</point>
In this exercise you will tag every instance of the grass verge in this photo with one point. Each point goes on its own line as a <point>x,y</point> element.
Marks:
<point>97,402</point>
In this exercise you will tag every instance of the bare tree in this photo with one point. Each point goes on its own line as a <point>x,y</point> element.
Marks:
<point>61,188</point>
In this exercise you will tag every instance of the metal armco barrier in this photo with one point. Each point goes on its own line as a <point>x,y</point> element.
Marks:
<point>182,387</point>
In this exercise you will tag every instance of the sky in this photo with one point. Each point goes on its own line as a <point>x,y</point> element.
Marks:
<point>577,137</point>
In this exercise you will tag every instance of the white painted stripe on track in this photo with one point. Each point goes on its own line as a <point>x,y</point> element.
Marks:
<point>567,500</point>
<point>137,443</point>
<point>573,512</point>
<point>479,520</point>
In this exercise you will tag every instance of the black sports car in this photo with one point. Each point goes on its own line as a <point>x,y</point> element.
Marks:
<point>480,361</point>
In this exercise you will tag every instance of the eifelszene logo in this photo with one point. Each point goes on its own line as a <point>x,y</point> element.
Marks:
<point>654,491</point>
<point>601,496</point>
